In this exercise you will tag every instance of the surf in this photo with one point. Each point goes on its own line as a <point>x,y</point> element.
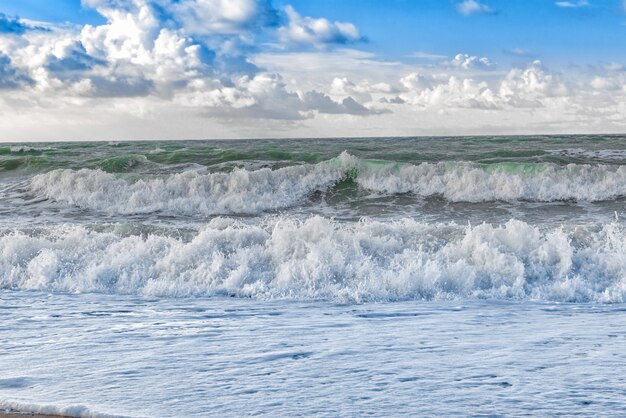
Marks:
<point>254,192</point>
<point>317,258</point>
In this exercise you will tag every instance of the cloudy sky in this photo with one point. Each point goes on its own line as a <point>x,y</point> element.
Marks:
<point>168,69</point>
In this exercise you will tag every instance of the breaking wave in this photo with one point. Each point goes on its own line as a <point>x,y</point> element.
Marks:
<point>251,192</point>
<point>190,192</point>
<point>322,259</point>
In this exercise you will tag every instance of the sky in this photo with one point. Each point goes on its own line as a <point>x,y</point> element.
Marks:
<point>202,69</point>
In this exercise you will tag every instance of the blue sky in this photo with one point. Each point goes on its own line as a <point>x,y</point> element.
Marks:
<point>396,28</point>
<point>379,67</point>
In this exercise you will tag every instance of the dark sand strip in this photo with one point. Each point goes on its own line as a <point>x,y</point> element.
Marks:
<point>15,414</point>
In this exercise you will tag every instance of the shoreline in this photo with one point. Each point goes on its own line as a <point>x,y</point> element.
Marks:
<point>18,414</point>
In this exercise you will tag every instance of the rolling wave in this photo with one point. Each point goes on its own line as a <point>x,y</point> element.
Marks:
<point>256,191</point>
<point>321,259</point>
<point>190,192</point>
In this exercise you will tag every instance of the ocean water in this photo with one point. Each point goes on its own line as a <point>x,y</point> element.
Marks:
<point>334,277</point>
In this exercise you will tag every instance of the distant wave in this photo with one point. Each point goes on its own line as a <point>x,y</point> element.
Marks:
<point>321,259</point>
<point>252,192</point>
<point>23,149</point>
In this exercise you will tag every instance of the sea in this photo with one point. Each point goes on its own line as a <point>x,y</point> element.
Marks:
<point>422,276</point>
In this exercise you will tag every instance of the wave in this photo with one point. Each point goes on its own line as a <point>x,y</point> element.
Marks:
<point>471,182</point>
<point>587,154</point>
<point>188,193</point>
<point>322,259</point>
<point>255,191</point>
<point>25,149</point>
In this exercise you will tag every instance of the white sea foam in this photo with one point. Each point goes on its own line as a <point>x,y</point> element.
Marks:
<point>602,154</point>
<point>78,411</point>
<point>322,259</point>
<point>26,148</point>
<point>256,191</point>
<point>190,192</point>
<point>468,182</point>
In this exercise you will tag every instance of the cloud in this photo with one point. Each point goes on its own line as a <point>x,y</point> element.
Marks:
<point>74,58</point>
<point>200,68</point>
<point>467,62</point>
<point>11,25</point>
<point>324,104</point>
<point>449,92</point>
<point>470,7</point>
<point>222,16</point>
<point>190,53</point>
<point>342,87</point>
<point>528,87</point>
<point>266,96</point>
<point>317,32</point>
<point>11,77</point>
<point>572,4</point>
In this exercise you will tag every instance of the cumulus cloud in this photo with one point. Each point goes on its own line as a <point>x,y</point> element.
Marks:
<point>317,32</point>
<point>163,61</point>
<point>11,77</point>
<point>11,25</point>
<point>446,92</point>
<point>342,87</point>
<point>470,7</point>
<point>186,52</point>
<point>467,62</point>
<point>266,95</point>
<point>222,16</point>
<point>528,87</point>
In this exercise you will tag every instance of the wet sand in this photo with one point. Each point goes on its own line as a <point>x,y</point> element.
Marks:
<point>15,414</point>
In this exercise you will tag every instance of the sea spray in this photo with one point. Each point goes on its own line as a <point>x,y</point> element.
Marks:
<point>321,259</point>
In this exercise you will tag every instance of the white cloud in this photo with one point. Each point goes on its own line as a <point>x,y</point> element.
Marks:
<point>451,92</point>
<point>266,96</point>
<point>529,87</point>
<point>572,4</point>
<point>317,32</point>
<point>470,7</point>
<point>222,16</point>
<point>194,68</point>
<point>467,62</point>
<point>198,16</point>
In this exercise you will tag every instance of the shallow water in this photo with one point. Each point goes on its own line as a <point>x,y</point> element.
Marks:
<point>337,277</point>
<point>231,357</point>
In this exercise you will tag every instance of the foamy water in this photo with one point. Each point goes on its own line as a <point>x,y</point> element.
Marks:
<point>343,277</point>
<point>321,259</point>
<point>254,192</point>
